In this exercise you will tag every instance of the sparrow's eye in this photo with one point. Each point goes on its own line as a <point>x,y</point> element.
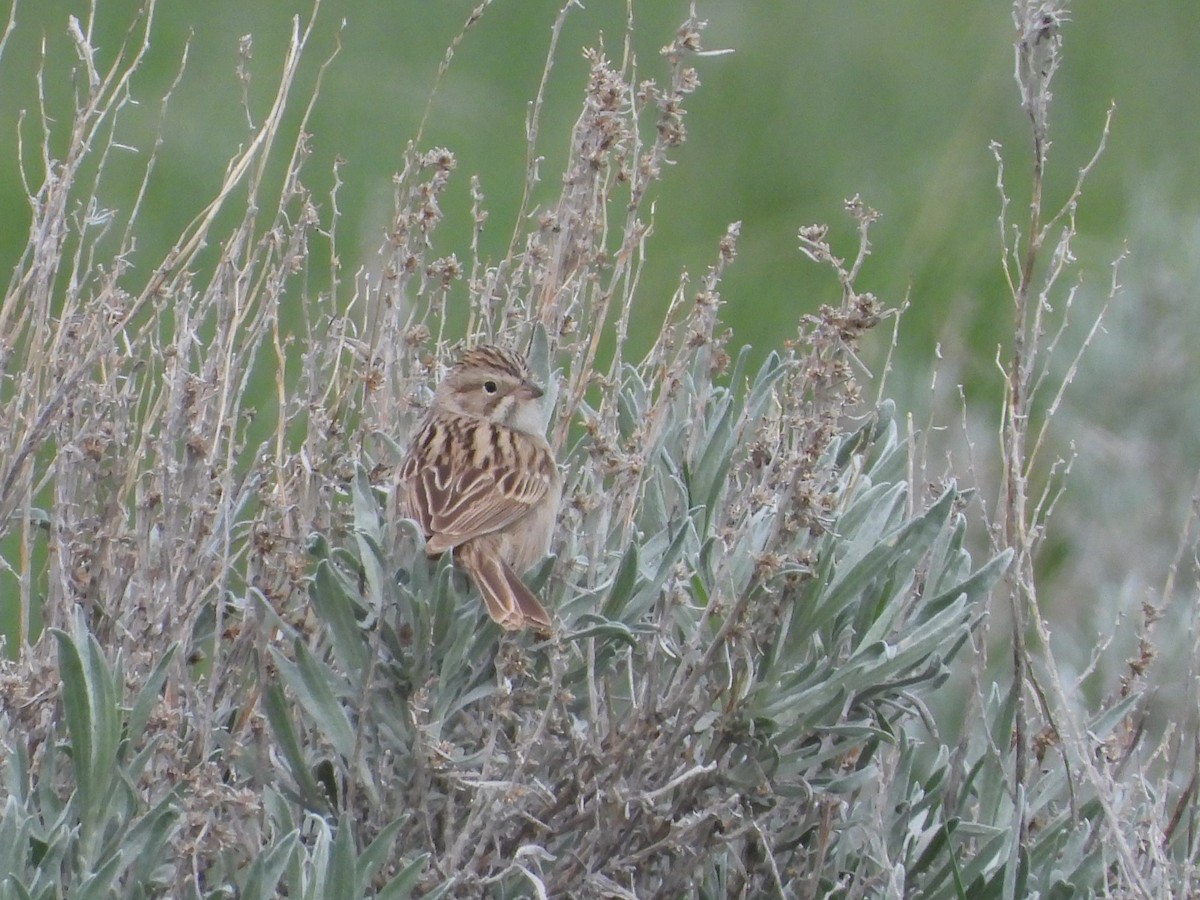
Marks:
<point>490,387</point>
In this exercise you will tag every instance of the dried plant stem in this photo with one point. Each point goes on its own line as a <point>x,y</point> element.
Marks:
<point>1022,523</point>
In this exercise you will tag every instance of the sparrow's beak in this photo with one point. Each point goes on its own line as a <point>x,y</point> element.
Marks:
<point>527,390</point>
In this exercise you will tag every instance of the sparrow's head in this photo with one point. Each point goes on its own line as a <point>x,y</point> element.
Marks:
<point>492,383</point>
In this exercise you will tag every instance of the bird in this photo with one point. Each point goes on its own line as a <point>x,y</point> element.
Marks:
<point>482,482</point>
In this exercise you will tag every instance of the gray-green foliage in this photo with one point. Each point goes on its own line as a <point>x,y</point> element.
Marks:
<point>729,693</point>
<point>102,834</point>
<point>88,821</point>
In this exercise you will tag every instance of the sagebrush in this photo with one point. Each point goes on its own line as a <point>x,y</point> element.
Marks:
<point>232,672</point>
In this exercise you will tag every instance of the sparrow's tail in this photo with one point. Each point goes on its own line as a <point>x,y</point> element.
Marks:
<point>508,601</point>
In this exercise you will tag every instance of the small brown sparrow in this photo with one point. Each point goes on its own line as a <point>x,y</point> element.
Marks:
<point>481,480</point>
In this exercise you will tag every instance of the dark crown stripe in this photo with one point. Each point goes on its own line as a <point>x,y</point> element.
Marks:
<point>491,356</point>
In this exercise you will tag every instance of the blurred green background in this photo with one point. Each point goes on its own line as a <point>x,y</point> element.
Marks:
<point>819,101</point>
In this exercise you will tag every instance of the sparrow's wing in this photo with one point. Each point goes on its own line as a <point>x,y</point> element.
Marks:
<point>504,474</point>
